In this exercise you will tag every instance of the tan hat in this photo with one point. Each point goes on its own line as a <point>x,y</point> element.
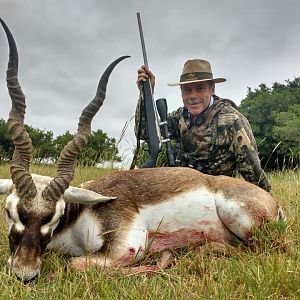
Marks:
<point>196,70</point>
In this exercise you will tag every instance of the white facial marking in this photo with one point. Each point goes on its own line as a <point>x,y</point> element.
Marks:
<point>59,211</point>
<point>11,206</point>
<point>9,262</point>
<point>6,186</point>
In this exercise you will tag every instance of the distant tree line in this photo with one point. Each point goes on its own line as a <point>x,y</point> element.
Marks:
<point>47,148</point>
<point>274,115</point>
<point>273,112</point>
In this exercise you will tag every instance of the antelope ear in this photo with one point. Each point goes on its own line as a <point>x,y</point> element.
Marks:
<point>6,186</point>
<point>83,196</point>
<point>84,184</point>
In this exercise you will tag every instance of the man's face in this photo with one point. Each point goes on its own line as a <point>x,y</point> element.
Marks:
<point>196,96</point>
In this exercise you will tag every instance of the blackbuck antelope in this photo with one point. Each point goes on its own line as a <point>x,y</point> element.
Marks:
<point>116,218</point>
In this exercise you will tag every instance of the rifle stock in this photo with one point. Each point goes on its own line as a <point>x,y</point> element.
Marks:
<point>151,126</point>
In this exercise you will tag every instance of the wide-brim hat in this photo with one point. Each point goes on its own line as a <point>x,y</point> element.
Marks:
<point>197,70</point>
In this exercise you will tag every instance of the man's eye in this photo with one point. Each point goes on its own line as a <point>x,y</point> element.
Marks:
<point>200,88</point>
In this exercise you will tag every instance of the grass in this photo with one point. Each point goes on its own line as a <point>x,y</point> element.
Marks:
<point>264,270</point>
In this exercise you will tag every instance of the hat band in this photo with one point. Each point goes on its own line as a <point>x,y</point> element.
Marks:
<point>196,76</point>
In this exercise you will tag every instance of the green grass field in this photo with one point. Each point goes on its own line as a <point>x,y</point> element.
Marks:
<point>263,271</point>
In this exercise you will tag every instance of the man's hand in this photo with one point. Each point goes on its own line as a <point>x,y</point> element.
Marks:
<point>143,74</point>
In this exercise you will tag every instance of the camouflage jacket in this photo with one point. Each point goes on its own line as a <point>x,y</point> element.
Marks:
<point>217,142</point>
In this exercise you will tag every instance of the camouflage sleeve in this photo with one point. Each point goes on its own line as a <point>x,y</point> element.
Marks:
<point>248,163</point>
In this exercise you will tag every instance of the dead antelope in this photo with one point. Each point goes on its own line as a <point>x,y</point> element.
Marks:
<point>152,210</point>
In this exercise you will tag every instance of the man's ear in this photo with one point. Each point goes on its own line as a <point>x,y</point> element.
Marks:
<point>213,85</point>
<point>83,196</point>
<point>6,186</point>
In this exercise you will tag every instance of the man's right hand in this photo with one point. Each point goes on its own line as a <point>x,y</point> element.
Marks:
<point>143,74</point>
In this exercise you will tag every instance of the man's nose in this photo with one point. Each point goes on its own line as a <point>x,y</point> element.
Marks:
<point>193,93</point>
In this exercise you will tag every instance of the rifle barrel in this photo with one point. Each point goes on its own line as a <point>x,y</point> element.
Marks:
<point>142,39</point>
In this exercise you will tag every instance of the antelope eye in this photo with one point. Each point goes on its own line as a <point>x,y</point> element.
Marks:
<point>8,214</point>
<point>46,220</point>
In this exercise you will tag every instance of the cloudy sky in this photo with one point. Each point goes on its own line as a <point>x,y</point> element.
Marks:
<point>64,46</point>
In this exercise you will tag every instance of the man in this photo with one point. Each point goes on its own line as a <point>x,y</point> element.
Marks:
<point>215,137</point>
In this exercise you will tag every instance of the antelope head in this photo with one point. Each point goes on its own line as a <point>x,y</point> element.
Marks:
<point>36,203</point>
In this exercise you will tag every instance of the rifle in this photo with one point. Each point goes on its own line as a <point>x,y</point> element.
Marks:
<point>152,124</point>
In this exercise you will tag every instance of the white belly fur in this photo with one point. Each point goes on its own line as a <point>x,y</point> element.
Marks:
<point>187,217</point>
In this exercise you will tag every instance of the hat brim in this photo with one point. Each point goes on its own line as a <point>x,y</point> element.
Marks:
<point>215,80</point>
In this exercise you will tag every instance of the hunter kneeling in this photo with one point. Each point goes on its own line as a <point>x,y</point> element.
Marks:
<point>214,137</point>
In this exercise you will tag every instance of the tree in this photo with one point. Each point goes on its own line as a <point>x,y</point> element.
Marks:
<point>42,143</point>
<point>59,143</point>
<point>287,130</point>
<point>262,107</point>
<point>6,145</point>
<point>100,148</point>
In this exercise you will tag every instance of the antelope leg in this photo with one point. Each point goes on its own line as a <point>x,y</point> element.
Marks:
<point>165,261</point>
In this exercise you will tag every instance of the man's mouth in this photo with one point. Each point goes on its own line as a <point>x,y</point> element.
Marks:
<point>193,101</point>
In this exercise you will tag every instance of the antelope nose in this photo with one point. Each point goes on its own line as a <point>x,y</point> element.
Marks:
<point>28,277</point>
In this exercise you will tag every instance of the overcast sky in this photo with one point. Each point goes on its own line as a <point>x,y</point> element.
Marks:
<point>65,45</point>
